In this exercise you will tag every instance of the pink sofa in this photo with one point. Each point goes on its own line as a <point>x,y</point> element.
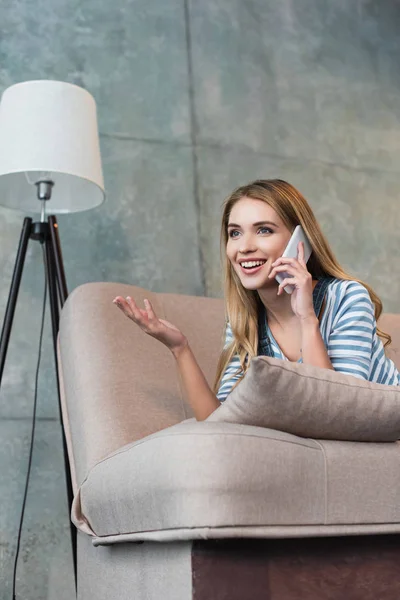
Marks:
<point>172,508</point>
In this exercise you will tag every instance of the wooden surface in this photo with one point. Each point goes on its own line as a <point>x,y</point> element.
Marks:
<point>341,568</point>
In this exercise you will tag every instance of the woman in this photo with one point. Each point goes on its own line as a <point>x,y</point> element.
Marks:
<point>329,320</point>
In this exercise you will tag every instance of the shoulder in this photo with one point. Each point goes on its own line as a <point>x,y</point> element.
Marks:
<point>351,299</point>
<point>341,293</point>
<point>349,292</point>
<point>344,286</point>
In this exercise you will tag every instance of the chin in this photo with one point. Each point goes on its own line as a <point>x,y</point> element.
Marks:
<point>254,285</point>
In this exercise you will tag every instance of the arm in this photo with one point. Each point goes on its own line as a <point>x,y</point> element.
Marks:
<point>198,393</point>
<point>349,346</point>
<point>200,396</point>
<point>350,342</point>
<point>312,344</point>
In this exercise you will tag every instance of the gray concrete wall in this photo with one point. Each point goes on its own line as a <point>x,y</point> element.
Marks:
<point>193,98</point>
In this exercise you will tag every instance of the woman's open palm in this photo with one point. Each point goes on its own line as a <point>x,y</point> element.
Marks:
<point>162,330</point>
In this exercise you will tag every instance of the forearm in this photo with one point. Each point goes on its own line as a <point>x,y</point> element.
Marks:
<point>198,393</point>
<point>313,347</point>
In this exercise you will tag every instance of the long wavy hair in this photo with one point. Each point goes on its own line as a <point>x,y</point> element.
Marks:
<point>242,305</point>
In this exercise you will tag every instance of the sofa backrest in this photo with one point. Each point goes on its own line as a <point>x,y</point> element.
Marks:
<point>119,384</point>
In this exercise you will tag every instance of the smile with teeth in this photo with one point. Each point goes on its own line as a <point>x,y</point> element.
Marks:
<point>252,266</point>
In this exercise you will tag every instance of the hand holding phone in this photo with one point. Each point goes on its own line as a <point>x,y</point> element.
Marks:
<point>291,251</point>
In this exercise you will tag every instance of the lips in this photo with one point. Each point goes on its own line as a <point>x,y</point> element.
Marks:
<point>252,270</point>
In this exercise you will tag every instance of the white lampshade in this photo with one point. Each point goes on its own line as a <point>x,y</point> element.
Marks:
<point>48,130</point>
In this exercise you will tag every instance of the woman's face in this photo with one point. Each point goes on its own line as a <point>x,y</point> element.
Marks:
<point>250,238</point>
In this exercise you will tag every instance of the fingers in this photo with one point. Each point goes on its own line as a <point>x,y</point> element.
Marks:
<point>134,309</point>
<point>288,281</point>
<point>285,268</point>
<point>292,266</point>
<point>149,309</point>
<point>128,307</point>
<point>287,259</point>
<point>300,254</point>
<point>131,310</point>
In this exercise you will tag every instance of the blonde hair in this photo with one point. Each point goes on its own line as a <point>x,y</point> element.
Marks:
<point>242,305</point>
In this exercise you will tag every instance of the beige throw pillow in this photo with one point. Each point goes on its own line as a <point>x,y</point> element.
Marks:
<point>312,402</point>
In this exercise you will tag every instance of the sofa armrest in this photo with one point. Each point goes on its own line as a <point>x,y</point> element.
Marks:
<point>118,384</point>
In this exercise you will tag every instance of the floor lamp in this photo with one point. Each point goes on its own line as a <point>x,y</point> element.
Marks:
<point>49,153</point>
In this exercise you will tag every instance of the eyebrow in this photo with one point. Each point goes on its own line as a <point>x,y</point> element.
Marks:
<point>255,224</point>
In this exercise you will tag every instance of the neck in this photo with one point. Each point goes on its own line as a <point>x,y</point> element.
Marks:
<point>279,308</point>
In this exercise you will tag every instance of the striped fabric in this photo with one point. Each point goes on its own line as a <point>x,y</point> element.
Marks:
<point>348,328</point>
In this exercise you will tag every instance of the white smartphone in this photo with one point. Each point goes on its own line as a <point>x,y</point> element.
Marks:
<point>291,251</point>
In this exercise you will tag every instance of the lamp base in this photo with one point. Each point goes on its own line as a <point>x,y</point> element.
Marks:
<point>46,233</point>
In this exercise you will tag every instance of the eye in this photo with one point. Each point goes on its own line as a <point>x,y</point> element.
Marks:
<point>261,228</point>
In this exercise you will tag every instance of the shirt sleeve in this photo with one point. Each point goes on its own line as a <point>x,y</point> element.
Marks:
<point>230,376</point>
<point>350,342</point>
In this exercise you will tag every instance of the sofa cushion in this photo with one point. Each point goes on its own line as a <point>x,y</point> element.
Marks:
<point>312,402</point>
<point>199,479</point>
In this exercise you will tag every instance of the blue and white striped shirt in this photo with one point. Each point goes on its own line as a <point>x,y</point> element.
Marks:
<point>348,328</point>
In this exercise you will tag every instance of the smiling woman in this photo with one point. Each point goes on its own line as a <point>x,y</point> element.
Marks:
<point>328,321</point>
<point>330,318</point>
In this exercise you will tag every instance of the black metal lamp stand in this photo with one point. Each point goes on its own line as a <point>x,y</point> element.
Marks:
<point>46,233</point>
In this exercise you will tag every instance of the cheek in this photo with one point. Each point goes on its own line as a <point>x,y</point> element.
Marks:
<point>229,251</point>
<point>230,257</point>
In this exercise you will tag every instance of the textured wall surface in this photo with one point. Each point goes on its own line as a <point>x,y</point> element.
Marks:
<point>193,99</point>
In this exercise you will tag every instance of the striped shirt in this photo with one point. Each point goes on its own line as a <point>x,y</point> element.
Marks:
<point>348,329</point>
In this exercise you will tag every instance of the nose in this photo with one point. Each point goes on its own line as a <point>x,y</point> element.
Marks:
<point>247,245</point>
